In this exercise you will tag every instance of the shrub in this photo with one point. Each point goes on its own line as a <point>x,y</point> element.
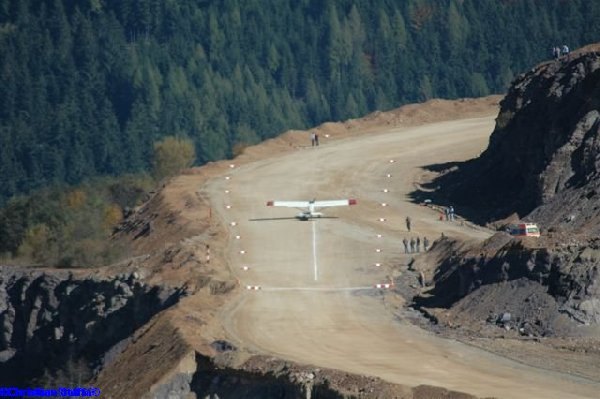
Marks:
<point>37,244</point>
<point>171,155</point>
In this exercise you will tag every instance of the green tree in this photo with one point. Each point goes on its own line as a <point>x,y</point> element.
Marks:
<point>457,28</point>
<point>478,86</point>
<point>399,29</point>
<point>425,88</point>
<point>89,86</point>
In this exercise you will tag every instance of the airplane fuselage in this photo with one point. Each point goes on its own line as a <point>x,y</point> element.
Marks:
<point>308,215</point>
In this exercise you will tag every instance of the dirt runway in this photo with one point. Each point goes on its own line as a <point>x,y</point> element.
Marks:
<point>317,304</point>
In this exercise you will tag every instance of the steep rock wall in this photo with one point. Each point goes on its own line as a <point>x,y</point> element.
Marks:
<point>549,291</point>
<point>542,163</point>
<point>544,149</point>
<point>53,322</point>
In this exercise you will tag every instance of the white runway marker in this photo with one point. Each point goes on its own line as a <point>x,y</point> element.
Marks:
<point>383,204</point>
<point>377,264</point>
<point>232,165</point>
<point>381,219</point>
<point>383,285</point>
<point>226,191</point>
<point>385,190</point>
<point>228,206</point>
<point>233,223</point>
<point>379,235</point>
<point>242,252</point>
<point>392,161</point>
<point>315,249</point>
<point>378,250</point>
<point>245,268</point>
<point>388,175</point>
<point>238,237</point>
<point>227,177</point>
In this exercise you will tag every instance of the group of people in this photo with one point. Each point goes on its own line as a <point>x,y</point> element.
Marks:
<point>414,245</point>
<point>558,51</point>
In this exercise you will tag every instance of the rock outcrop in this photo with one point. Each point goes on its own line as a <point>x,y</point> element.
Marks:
<point>544,154</point>
<point>545,292</point>
<point>52,322</point>
<point>542,164</point>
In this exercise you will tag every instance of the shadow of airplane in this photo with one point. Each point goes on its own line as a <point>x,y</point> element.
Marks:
<point>289,218</point>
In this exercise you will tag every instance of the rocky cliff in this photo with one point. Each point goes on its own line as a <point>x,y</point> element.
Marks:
<point>542,164</point>
<point>54,324</point>
<point>543,156</point>
<point>545,291</point>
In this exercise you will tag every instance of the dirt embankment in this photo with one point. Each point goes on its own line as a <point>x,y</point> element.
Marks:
<point>515,283</point>
<point>517,298</point>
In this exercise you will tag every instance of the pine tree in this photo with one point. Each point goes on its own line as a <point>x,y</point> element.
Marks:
<point>88,87</point>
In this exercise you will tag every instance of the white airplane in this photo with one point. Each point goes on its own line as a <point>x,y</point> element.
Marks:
<point>309,208</point>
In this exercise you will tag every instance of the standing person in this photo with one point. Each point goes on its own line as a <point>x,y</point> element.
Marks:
<point>451,213</point>
<point>405,242</point>
<point>556,52</point>
<point>316,139</point>
<point>447,211</point>
<point>425,244</point>
<point>418,244</point>
<point>313,138</point>
<point>408,223</point>
<point>565,50</point>
<point>412,245</point>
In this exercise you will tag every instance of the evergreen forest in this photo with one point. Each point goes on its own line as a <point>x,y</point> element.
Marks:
<point>88,86</point>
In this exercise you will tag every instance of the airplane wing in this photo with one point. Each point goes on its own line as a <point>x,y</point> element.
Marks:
<point>328,203</point>
<point>316,204</point>
<point>290,204</point>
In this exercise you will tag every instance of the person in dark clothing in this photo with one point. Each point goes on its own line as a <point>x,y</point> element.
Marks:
<point>413,244</point>
<point>405,242</point>
<point>425,244</point>
<point>408,223</point>
<point>418,244</point>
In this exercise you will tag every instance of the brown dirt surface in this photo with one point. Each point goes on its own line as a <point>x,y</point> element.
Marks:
<point>146,361</point>
<point>351,385</point>
<point>317,303</point>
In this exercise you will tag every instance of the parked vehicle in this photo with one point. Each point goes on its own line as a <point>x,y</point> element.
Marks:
<point>524,229</point>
